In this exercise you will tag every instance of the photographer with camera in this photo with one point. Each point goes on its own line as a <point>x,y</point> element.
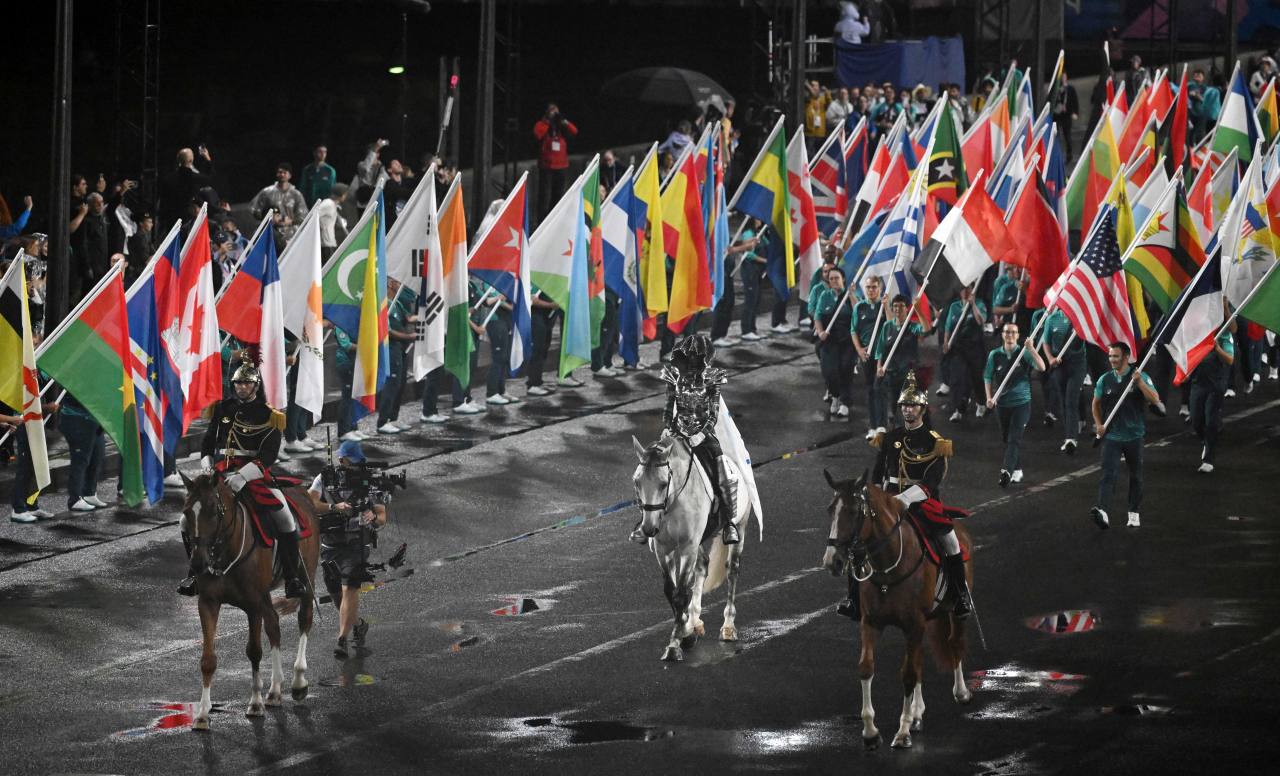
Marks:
<point>347,526</point>
<point>552,132</point>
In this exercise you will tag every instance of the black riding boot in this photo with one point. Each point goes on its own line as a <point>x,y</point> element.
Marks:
<point>287,547</point>
<point>851,607</point>
<point>188,586</point>
<point>959,586</point>
<point>728,505</point>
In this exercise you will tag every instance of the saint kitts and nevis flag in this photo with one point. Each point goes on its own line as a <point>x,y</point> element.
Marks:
<point>19,387</point>
<point>354,290</point>
<point>88,355</point>
<point>765,195</point>
<point>559,262</point>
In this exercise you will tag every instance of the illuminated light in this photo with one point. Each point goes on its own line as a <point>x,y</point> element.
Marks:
<point>397,70</point>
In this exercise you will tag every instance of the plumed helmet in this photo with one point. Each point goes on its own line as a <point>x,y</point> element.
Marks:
<point>911,394</point>
<point>247,373</point>
<point>693,353</point>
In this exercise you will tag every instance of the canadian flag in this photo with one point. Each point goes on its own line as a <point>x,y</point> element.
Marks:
<point>199,351</point>
<point>804,220</point>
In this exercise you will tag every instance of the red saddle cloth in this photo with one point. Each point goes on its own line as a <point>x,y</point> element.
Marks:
<point>937,517</point>
<point>257,497</point>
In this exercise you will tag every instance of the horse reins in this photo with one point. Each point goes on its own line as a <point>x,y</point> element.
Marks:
<point>668,498</point>
<point>215,543</point>
<point>864,551</point>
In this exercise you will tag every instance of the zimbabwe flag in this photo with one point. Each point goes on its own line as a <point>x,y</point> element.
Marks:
<point>1168,253</point>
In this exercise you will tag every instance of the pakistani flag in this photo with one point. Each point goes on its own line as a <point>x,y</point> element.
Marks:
<point>1237,126</point>
<point>344,274</point>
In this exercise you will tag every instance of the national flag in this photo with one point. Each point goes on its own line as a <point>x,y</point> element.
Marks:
<point>971,239</point>
<point>869,191</point>
<point>1249,244</point>
<point>899,243</point>
<point>1104,166</point>
<point>251,310</point>
<point>856,158</point>
<point>1263,306</point>
<point>343,274</point>
<point>860,246</point>
<point>1177,154</point>
<point>1009,173</point>
<point>165,266</point>
<point>653,256</point>
<point>1161,97</point>
<point>499,257</point>
<point>595,247</point>
<point>302,293</point>
<point>87,354</point>
<point>1135,122</point>
<point>199,345</point>
<point>1212,193</point>
<point>1149,194</point>
<point>451,220</point>
<point>1189,332</point>
<point>19,386</point>
<point>986,140</point>
<point>1142,160</point>
<point>556,248</point>
<point>1237,127</point>
<point>1119,111</point>
<point>1053,170</point>
<point>1041,245</point>
<point>622,234</point>
<point>1079,183</point>
<point>373,360</point>
<point>947,178</point>
<point>413,258</point>
<point>1268,114</point>
<point>765,194</point>
<point>828,180</point>
<point>804,221</point>
<point>1053,95</point>
<point>685,232</point>
<point>143,365</point>
<point>1093,295</point>
<point>902,164</point>
<point>1168,253</point>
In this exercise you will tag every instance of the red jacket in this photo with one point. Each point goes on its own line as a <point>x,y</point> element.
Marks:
<point>554,153</point>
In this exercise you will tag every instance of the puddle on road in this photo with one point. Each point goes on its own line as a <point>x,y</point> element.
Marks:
<point>182,717</point>
<point>1241,518</point>
<point>356,680</point>
<point>520,605</point>
<point>811,735</point>
<point>1135,710</point>
<point>450,625</point>
<point>1069,621</point>
<point>470,641</point>
<point>555,732</point>
<point>1191,615</point>
<point>1021,693</point>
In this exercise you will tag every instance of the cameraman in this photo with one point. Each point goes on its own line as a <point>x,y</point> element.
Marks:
<point>552,132</point>
<point>347,549</point>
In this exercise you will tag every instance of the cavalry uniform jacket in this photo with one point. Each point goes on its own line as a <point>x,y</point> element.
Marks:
<point>914,458</point>
<point>242,433</point>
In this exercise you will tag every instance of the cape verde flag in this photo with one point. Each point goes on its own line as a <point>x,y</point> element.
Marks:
<point>168,306</point>
<point>146,361</point>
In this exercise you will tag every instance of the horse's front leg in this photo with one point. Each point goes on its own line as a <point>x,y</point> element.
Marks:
<point>678,597</point>
<point>695,601</point>
<point>253,650</point>
<point>271,624</point>
<point>729,631</point>
<point>208,659</point>
<point>910,684</point>
<point>867,670</point>
<point>305,611</point>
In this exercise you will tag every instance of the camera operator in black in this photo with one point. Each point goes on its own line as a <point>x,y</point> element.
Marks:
<point>347,550</point>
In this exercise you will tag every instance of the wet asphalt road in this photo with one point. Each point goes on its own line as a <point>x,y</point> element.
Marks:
<point>1175,672</point>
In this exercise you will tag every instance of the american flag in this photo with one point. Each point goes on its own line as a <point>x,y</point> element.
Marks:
<point>1093,294</point>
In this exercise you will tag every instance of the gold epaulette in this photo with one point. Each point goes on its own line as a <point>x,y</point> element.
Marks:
<point>878,440</point>
<point>209,411</point>
<point>277,420</point>
<point>941,446</point>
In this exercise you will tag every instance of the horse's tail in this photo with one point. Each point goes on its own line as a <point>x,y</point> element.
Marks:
<point>717,565</point>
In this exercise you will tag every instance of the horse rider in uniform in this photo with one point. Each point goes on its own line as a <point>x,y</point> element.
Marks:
<point>693,404</point>
<point>911,465</point>
<point>244,439</point>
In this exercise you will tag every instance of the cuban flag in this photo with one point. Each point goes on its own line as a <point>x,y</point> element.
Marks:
<point>165,265</point>
<point>499,257</point>
<point>252,310</point>
<point>830,194</point>
<point>621,240</point>
<point>146,362</point>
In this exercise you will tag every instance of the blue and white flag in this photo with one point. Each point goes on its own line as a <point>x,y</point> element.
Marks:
<point>621,261</point>
<point>146,361</point>
<point>898,244</point>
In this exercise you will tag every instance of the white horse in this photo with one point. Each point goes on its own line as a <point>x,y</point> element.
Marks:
<point>675,494</point>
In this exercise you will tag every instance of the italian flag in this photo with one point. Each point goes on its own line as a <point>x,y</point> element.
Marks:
<point>452,228</point>
<point>86,354</point>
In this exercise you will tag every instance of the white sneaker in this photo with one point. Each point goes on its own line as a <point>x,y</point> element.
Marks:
<point>781,328</point>
<point>400,424</point>
<point>23,517</point>
<point>537,390</point>
<point>350,436</point>
<point>570,381</point>
<point>40,514</point>
<point>1205,468</point>
<point>468,408</point>
<point>97,502</point>
<point>1275,373</point>
<point>314,444</point>
<point>843,411</point>
<point>1069,447</point>
<point>835,406</point>
<point>436,418</point>
<point>82,506</point>
<point>1248,387</point>
<point>1088,380</point>
<point>511,399</point>
<point>880,429</point>
<point>826,397</point>
<point>361,435</point>
<point>1230,394</point>
<point>497,399</point>
<point>944,390</point>
<point>723,342</point>
<point>1017,476</point>
<point>665,359</point>
<point>981,411</point>
<point>604,371</point>
<point>283,456</point>
<point>173,481</point>
<point>292,447</point>
<point>388,428</point>
<point>1133,520</point>
<point>1100,518</point>
<point>806,321</point>
<point>1257,378</point>
<point>988,328</point>
<point>957,416</point>
<point>1184,411</point>
<point>751,336</point>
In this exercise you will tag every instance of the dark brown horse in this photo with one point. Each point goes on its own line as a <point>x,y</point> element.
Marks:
<point>897,587</point>
<point>232,567</point>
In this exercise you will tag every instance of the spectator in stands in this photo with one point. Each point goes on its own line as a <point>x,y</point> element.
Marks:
<point>1261,77</point>
<point>553,131</point>
<point>224,262</point>
<point>228,225</point>
<point>962,107</point>
<point>139,244</point>
<point>727,133</point>
<point>1066,110</point>
<point>921,103</point>
<point>179,187</point>
<point>329,213</point>
<point>610,171</point>
<point>666,161</point>
<point>368,170</point>
<point>883,22</point>
<point>1138,75</point>
<point>318,178</point>
<point>14,229</point>
<point>90,239</point>
<point>282,197</point>
<point>397,189</point>
<point>985,87</point>
<point>677,140</point>
<point>885,114</point>
<point>815,116</point>
<point>841,109</point>
<point>852,26</point>
<point>1204,102</point>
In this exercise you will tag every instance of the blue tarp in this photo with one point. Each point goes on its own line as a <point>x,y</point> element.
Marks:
<point>902,63</point>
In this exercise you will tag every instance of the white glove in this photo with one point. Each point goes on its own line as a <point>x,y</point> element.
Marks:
<point>911,495</point>
<point>236,482</point>
<point>207,462</point>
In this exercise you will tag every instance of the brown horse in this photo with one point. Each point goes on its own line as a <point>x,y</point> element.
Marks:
<point>232,567</point>
<point>899,588</point>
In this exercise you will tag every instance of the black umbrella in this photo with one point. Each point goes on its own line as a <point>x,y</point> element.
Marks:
<point>665,86</point>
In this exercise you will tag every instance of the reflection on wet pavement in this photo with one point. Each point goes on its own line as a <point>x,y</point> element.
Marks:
<point>355,680</point>
<point>1070,621</point>
<point>1195,614</point>
<point>181,718</point>
<point>1021,693</point>
<point>556,733</point>
<point>811,735</point>
<point>523,605</point>
<point>470,641</point>
<point>1135,710</point>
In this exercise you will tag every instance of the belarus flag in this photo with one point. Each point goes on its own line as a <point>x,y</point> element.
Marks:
<point>973,236</point>
<point>1197,316</point>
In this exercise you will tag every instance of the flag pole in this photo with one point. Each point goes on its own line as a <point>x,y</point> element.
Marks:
<point>963,311</point>
<point>1236,312</point>
<point>492,310</point>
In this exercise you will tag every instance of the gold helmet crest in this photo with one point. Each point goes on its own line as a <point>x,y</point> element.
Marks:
<point>911,394</point>
<point>247,373</point>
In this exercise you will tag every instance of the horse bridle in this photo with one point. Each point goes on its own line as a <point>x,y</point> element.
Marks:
<point>220,536</point>
<point>666,503</point>
<point>860,552</point>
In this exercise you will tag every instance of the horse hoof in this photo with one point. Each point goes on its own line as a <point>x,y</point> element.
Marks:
<point>673,655</point>
<point>728,633</point>
<point>299,693</point>
<point>700,629</point>
<point>275,699</point>
<point>963,700</point>
<point>200,724</point>
<point>917,725</point>
<point>872,743</point>
<point>254,711</point>
<point>688,641</point>
<point>902,741</point>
